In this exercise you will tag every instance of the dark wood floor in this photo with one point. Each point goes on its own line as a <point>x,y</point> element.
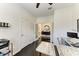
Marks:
<point>29,50</point>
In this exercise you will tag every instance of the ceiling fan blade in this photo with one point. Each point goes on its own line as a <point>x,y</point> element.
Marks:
<point>50,3</point>
<point>37,5</point>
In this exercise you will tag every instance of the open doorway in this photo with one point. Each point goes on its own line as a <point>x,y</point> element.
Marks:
<point>43,31</point>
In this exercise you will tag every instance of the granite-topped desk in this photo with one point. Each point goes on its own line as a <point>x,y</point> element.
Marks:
<point>48,49</point>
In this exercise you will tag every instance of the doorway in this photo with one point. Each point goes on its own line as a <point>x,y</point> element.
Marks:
<point>43,31</point>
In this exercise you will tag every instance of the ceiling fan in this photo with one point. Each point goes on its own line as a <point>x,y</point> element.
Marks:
<point>37,5</point>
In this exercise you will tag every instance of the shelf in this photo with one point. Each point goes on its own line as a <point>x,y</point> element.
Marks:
<point>5,26</point>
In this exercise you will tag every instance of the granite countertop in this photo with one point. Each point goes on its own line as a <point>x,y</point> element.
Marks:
<point>68,51</point>
<point>48,49</point>
<point>4,43</point>
<point>73,40</point>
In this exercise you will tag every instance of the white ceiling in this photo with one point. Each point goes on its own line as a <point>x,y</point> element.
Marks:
<point>43,8</point>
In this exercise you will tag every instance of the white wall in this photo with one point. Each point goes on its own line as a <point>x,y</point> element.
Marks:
<point>65,19</point>
<point>21,31</point>
<point>45,19</point>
